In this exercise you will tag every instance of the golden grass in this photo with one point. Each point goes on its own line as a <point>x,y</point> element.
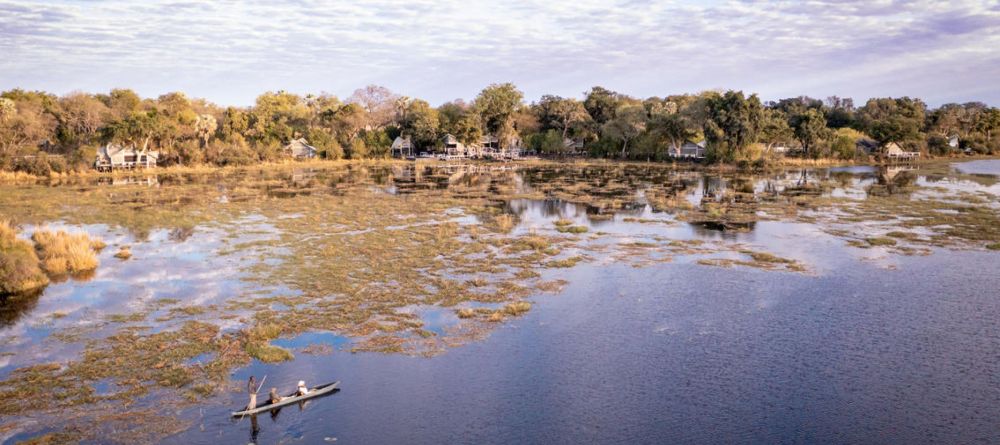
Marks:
<point>124,253</point>
<point>504,223</point>
<point>62,252</point>
<point>19,266</point>
<point>517,308</point>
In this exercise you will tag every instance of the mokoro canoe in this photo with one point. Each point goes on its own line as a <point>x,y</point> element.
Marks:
<point>267,405</point>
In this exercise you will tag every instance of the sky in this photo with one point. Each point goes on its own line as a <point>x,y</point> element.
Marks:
<point>229,52</point>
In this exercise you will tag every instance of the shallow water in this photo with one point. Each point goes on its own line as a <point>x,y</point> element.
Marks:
<point>873,344</point>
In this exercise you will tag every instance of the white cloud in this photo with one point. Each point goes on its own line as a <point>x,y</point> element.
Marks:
<point>231,51</point>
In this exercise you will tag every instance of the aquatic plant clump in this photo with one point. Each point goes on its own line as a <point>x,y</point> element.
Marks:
<point>61,253</point>
<point>124,253</point>
<point>19,265</point>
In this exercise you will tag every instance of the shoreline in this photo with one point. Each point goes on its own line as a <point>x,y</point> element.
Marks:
<point>19,176</point>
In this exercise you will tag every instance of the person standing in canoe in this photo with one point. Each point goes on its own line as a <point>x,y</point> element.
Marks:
<point>252,389</point>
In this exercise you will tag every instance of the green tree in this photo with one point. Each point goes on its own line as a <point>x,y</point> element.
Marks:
<point>629,122</point>
<point>675,128</point>
<point>810,129</point>
<point>892,120</point>
<point>774,129</point>
<point>732,123</point>
<point>988,123</point>
<point>420,122</point>
<point>278,117</point>
<point>496,106</point>
<point>602,104</point>
<point>561,114</point>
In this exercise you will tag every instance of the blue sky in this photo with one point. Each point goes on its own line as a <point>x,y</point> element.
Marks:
<point>229,52</point>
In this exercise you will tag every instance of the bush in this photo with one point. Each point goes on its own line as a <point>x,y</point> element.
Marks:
<point>57,164</point>
<point>189,152</point>
<point>37,165</point>
<point>19,271</point>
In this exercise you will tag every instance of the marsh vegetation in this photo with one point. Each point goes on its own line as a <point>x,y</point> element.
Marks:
<point>233,267</point>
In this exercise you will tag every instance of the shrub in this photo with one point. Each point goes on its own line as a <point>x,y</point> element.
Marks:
<point>19,271</point>
<point>37,165</point>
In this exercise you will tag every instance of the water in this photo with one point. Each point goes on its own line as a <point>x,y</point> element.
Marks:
<point>867,346</point>
<point>862,355</point>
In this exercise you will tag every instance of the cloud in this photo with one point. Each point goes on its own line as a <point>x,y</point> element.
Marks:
<point>231,51</point>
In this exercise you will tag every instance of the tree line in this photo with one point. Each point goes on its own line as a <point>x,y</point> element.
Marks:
<point>605,123</point>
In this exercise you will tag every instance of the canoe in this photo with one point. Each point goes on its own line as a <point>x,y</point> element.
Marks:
<point>267,405</point>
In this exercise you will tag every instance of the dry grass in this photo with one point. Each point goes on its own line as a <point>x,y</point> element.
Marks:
<point>124,253</point>
<point>61,253</point>
<point>504,223</point>
<point>465,313</point>
<point>517,308</point>
<point>19,271</point>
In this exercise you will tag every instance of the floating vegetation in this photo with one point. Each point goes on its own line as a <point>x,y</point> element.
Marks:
<point>124,253</point>
<point>572,229</point>
<point>881,241</point>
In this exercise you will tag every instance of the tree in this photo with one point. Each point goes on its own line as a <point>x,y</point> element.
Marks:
<point>346,122</point>
<point>732,123</point>
<point>602,104</point>
<point>988,122</point>
<point>278,117</point>
<point>629,122</point>
<point>27,123</point>
<point>80,116</point>
<point>205,127</point>
<point>420,121</point>
<point>892,120</point>
<point>809,128</point>
<point>379,104</point>
<point>235,123</point>
<point>674,127</point>
<point>468,130</point>
<point>141,128</point>
<point>496,106</point>
<point>840,112</point>
<point>122,102</point>
<point>561,113</point>
<point>774,129</point>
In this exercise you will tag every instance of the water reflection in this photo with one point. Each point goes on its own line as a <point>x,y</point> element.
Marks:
<point>13,307</point>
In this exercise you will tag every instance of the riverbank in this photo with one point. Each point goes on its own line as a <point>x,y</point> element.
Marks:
<point>18,176</point>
